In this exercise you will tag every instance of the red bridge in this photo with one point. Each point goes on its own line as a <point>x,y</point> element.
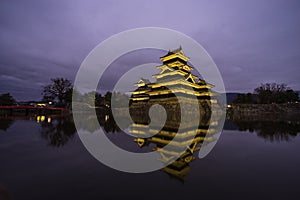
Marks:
<point>26,109</point>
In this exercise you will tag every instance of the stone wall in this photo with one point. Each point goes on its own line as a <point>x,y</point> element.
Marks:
<point>264,111</point>
<point>174,107</point>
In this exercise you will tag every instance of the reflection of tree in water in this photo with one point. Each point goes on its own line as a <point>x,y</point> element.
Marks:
<point>89,122</point>
<point>59,131</point>
<point>5,124</point>
<point>271,130</point>
<point>108,123</point>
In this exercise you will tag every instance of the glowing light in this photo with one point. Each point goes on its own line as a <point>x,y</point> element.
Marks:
<point>40,118</point>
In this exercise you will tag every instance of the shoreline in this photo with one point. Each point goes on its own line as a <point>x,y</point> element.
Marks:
<point>265,112</point>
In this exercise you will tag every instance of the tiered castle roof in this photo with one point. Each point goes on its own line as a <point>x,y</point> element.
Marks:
<point>175,77</point>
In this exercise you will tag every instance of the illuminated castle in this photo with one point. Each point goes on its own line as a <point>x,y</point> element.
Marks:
<point>175,85</point>
<point>177,90</point>
<point>175,78</point>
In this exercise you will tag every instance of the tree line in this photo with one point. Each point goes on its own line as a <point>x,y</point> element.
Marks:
<point>269,93</point>
<point>7,99</point>
<point>60,90</point>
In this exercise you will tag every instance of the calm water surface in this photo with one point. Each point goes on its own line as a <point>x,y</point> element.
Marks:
<point>43,158</point>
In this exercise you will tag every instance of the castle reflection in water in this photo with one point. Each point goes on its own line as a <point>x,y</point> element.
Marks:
<point>60,130</point>
<point>184,146</point>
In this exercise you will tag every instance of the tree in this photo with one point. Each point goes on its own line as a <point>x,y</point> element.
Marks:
<point>90,97</point>
<point>119,99</point>
<point>107,98</point>
<point>58,91</point>
<point>275,93</point>
<point>292,96</point>
<point>99,100</point>
<point>244,98</point>
<point>7,100</point>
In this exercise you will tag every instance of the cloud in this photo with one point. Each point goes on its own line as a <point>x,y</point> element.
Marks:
<point>250,41</point>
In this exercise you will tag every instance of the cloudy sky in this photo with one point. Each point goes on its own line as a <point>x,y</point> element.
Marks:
<point>251,42</point>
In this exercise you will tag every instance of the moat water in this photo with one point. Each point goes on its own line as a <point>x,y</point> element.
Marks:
<point>42,157</point>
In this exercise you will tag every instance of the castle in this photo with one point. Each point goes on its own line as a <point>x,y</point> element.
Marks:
<point>178,90</point>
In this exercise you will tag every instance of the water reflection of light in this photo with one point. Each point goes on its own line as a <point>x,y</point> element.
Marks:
<point>213,101</point>
<point>106,117</point>
<point>40,118</point>
<point>214,123</point>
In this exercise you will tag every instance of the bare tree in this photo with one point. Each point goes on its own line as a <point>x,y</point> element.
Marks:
<point>275,93</point>
<point>6,99</point>
<point>58,91</point>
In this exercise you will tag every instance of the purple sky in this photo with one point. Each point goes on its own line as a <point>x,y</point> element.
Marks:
<point>252,42</point>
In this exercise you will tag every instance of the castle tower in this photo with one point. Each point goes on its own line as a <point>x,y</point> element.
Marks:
<point>174,78</point>
<point>175,85</point>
